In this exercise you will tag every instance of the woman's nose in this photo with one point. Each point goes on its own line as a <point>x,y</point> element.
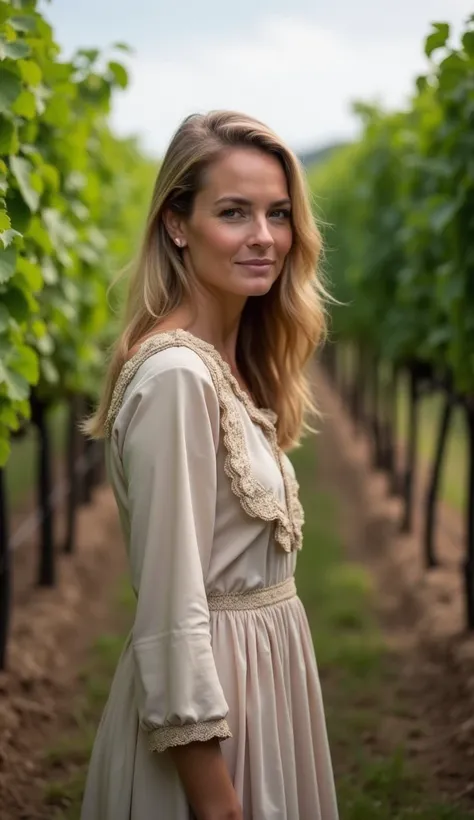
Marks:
<point>261,234</point>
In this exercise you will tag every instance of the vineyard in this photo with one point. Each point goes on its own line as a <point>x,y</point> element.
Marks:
<point>400,209</point>
<point>397,213</point>
<point>72,200</point>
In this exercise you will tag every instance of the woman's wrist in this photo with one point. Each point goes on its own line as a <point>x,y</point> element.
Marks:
<point>225,814</point>
<point>206,781</point>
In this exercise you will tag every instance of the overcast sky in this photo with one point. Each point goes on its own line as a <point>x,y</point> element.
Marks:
<point>296,64</point>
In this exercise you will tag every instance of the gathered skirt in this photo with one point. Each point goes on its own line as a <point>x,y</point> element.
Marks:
<point>278,756</point>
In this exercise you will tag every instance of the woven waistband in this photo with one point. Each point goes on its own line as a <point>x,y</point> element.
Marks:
<point>253,599</point>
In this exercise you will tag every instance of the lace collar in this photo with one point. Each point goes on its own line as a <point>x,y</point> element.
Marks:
<point>256,500</point>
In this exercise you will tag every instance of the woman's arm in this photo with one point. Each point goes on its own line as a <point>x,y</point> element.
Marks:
<point>169,458</point>
<point>206,781</point>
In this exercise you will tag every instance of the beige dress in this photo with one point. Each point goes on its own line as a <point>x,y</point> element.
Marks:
<point>220,645</point>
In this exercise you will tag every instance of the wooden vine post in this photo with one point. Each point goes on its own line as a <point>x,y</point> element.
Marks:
<point>46,564</point>
<point>5,571</point>
<point>469,560</point>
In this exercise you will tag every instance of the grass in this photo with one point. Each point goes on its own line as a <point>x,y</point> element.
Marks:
<point>454,477</point>
<point>455,467</point>
<point>69,756</point>
<point>21,467</point>
<point>337,595</point>
<point>338,598</point>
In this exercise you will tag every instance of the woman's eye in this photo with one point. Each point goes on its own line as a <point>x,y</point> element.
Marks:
<point>235,213</point>
<point>231,213</point>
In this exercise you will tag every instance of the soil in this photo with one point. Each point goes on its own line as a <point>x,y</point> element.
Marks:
<point>426,704</point>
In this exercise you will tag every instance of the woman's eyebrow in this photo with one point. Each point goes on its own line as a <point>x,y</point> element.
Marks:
<point>240,200</point>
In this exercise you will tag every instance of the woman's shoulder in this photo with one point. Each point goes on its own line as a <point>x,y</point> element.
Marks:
<point>162,353</point>
<point>153,369</point>
<point>158,367</point>
<point>160,336</point>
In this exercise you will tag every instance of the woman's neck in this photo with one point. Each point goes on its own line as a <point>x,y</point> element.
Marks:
<point>215,322</point>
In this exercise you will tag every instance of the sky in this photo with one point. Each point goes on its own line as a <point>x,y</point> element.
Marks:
<point>295,64</point>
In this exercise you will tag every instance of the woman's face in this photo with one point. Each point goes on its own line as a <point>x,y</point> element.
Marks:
<point>240,232</point>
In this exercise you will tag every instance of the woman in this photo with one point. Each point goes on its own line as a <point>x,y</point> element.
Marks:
<point>215,710</point>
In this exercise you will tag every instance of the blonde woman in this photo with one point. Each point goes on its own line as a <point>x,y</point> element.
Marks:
<point>215,710</point>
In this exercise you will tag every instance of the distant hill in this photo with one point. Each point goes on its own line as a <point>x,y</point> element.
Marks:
<point>317,155</point>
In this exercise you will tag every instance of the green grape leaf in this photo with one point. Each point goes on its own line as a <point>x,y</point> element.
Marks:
<point>25,105</point>
<point>119,74</point>
<point>42,94</point>
<point>25,23</point>
<point>25,362</point>
<point>7,264</point>
<point>16,302</point>
<point>7,131</point>
<point>61,232</point>
<point>38,328</point>
<point>75,182</point>
<point>7,237</point>
<point>50,176</point>
<point>9,417</point>
<point>10,88</point>
<point>4,319</point>
<point>30,72</point>
<point>468,42</point>
<point>22,171</point>
<point>5,451</point>
<point>45,345</point>
<point>57,111</point>
<point>421,83</point>
<point>5,11</point>
<point>437,39</point>
<point>80,210</point>
<point>17,386</point>
<point>123,47</point>
<point>49,371</point>
<point>13,49</point>
<point>50,273</point>
<point>5,223</point>
<point>20,214</point>
<point>31,273</point>
<point>91,54</point>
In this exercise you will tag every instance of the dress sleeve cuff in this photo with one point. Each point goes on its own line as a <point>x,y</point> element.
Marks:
<point>165,736</point>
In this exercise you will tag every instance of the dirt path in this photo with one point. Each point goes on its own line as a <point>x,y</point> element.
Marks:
<point>427,705</point>
<point>50,637</point>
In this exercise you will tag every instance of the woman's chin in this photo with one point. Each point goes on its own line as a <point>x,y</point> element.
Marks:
<point>257,287</point>
<point>260,289</point>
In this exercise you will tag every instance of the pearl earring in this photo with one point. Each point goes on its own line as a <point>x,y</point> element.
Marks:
<point>179,242</point>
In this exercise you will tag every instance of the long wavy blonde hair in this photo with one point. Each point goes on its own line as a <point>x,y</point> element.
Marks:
<point>279,331</point>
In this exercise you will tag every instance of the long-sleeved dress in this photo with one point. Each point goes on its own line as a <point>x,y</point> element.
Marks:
<point>220,645</point>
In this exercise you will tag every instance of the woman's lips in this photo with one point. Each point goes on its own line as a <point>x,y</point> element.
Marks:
<point>257,265</point>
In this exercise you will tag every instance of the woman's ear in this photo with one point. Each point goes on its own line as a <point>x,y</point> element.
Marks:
<point>174,225</point>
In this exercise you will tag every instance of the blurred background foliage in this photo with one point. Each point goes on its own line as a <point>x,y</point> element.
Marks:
<point>398,205</point>
<point>72,203</point>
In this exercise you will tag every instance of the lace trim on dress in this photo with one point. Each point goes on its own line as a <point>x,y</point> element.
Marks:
<point>297,511</point>
<point>253,598</point>
<point>256,500</point>
<point>163,737</point>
